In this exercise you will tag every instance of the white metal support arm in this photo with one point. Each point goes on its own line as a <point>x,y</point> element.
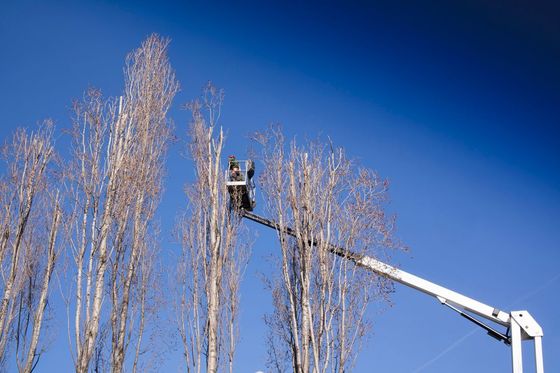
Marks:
<point>520,324</point>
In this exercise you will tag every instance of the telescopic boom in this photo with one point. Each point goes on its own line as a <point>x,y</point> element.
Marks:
<point>520,324</point>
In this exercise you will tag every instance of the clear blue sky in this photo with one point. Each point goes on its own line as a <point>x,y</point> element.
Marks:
<point>458,105</point>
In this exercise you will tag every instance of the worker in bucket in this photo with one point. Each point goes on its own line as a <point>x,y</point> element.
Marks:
<point>235,173</point>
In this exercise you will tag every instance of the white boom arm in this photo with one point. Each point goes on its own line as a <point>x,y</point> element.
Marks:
<point>520,324</point>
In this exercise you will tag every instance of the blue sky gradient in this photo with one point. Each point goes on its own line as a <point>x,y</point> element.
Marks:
<point>458,105</point>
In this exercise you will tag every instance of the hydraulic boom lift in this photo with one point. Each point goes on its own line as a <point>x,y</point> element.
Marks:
<point>520,325</point>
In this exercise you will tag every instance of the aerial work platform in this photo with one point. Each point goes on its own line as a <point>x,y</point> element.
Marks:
<point>240,184</point>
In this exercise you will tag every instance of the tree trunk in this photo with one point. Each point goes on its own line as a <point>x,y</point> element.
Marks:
<point>38,317</point>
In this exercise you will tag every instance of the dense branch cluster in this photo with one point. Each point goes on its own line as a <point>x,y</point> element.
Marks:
<point>30,217</point>
<point>320,299</point>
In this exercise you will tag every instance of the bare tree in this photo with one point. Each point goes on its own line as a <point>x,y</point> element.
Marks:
<point>150,86</point>
<point>320,299</point>
<point>99,145</point>
<point>30,217</point>
<point>213,255</point>
<point>119,148</point>
<point>94,188</point>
